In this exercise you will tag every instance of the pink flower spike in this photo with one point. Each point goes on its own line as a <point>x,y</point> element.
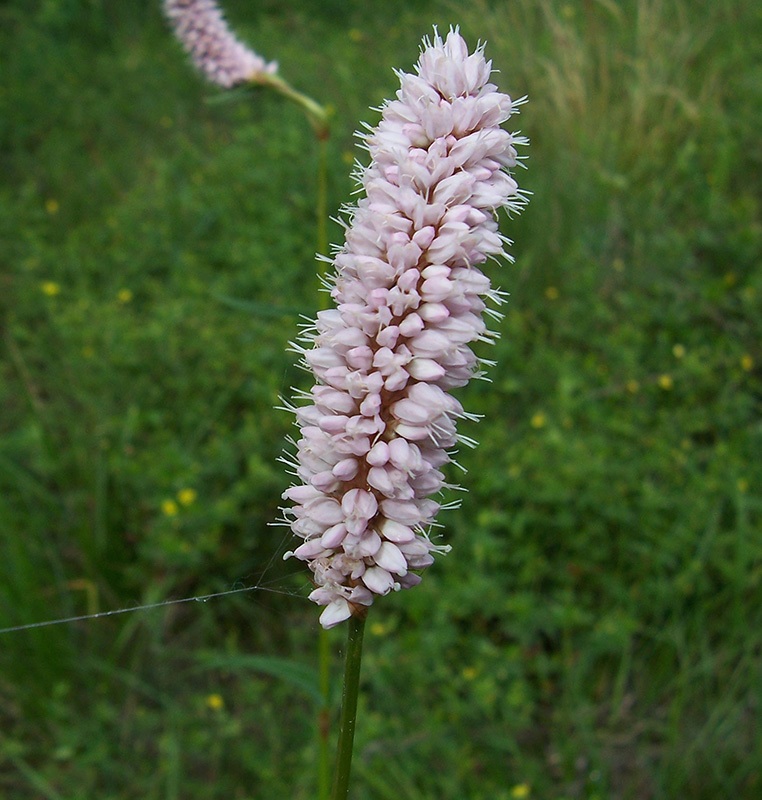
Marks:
<point>380,422</point>
<point>203,32</point>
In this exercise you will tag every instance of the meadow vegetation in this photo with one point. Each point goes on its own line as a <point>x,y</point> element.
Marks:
<point>596,631</point>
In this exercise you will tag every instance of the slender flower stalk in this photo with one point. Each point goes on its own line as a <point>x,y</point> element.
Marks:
<point>348,709</point>
<point>380,423</point>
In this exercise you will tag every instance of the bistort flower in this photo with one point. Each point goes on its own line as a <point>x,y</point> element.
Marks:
<point>380,422</point>
<point>203,32</point>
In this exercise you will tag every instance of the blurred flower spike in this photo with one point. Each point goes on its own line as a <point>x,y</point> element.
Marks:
<point>379,423</point>
<point>205,35</point>
<point>203,32</point>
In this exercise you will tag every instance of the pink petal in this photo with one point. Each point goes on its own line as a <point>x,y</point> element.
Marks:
<point>334,613</point>
<point>391,559</point>
<point>378,580</point>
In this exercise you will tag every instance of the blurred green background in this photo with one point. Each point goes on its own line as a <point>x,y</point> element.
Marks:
<point>597,630</point>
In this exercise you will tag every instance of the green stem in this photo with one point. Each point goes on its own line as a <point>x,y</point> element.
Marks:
<point>316,114</point>
<point>348,708</point>
<point>324,755</point>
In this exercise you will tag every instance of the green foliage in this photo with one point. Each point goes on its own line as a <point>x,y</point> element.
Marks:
<point>595,632</point>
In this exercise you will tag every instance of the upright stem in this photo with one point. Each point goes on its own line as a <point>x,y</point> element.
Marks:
<point>324,725</point>
<point>348,708</point>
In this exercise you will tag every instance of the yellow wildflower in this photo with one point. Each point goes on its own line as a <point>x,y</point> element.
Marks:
<point>538,420</point>
<point>51,288</point>
<point>678,351</point>
<point>186,496</point>
<point>747,362</point>
<point>215,702</point>
<point>169,507</point>
<point>124,295</point>
<point>666,382</point>
<point>520,791</point>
